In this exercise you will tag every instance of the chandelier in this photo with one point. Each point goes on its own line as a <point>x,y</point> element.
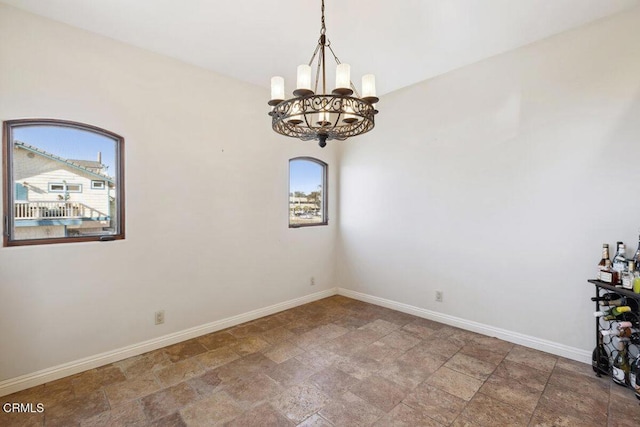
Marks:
<point>322,116</point>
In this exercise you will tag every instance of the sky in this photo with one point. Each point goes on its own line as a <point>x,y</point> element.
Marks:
<point>305,176</point>
<point>69,143</point>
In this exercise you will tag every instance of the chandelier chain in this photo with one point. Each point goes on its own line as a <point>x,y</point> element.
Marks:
<point>323,29</point>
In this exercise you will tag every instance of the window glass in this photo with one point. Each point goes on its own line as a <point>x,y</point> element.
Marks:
<point>65,187</point>
<point>51,165</point>
<point>307,192</point>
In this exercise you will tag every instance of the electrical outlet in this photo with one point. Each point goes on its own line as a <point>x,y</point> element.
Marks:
<point>439,296</point>
<point>159,317</point>
<point>312,282</point>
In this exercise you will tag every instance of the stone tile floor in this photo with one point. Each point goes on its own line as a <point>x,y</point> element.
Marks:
<point>334,362</point>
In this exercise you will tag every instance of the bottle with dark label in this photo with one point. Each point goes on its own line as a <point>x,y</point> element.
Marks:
<point>602,263</point>
<point>619,260</point>
<point>621,368</point>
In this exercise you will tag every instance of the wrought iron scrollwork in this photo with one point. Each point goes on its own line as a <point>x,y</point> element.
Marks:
<point>323,117</point>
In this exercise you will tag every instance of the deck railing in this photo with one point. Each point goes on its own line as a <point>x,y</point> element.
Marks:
<point>38,210</point>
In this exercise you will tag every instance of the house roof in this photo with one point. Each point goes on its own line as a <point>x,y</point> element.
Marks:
<point>91,164</point>
<point>81,165</point>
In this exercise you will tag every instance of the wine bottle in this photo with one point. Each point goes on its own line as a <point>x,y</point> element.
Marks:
<point>605,298</point>
<point>613,312</point>
<point>605,257</point>
<point>622,333</point>
<point>612,303</point>
<point>634,376</point>
<point>627,276</point>
<point>619,260</point>
<point>600,358</point>
<point>621,366</point>
<point>622,325</point>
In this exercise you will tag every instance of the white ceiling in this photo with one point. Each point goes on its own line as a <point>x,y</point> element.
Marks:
<point>402,42</point>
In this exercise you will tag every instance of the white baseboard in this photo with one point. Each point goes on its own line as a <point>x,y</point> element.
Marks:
<point>504,334</point>
<point>51,374</point>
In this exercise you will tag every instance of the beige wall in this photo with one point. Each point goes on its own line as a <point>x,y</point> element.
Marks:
<point>498,183</point>
<point>199,157</point>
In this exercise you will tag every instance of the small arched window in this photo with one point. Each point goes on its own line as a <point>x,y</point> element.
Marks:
<point>307,192</point>
<point>64,182</point>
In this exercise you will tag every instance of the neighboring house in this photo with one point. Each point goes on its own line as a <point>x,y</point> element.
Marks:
<point>56,197</point>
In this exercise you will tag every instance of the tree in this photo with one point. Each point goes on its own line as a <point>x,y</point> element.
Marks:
<point>314,197</point>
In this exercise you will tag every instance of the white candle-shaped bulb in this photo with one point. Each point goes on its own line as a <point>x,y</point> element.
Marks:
<point>277,87</point>
<point>368,85</point>
<point>343,76</point>
<point>304,77</point>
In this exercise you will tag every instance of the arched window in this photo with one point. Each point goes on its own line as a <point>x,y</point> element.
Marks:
<point>307,192</point>
<point>64,182</point>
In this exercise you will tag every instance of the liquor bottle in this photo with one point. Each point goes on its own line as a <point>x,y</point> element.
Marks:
<point>605,257</point>
<point>613,312</point>
<point>627,275</point>
<point>608,299</point>
<point>636,281</point>
<point>608,274</point>
<point>634,376</point>
<point>621,366</point>
<point>619,261</point>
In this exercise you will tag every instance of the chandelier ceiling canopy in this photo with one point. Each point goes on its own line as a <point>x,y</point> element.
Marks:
<point>312,115</point>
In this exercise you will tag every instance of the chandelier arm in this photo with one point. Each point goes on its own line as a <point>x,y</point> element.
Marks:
<point>353,88</point>
<point>333,53</point>
<point>315,52</point>
<point>322,51</point>
<point>318,70</point>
